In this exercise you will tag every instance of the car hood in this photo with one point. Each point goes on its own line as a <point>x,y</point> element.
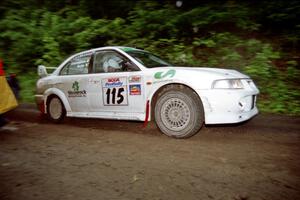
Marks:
<point>195,77</point>
<point>219,72</point>
<point>213,73</point>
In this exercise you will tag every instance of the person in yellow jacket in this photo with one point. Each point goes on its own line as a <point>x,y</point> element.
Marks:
<point>7,98</point>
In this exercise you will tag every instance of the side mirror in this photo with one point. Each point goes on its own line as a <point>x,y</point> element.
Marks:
<point>42,71</point>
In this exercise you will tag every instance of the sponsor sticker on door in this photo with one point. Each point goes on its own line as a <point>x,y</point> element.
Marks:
<point>115,91</point>
<point>134,79</point>
<point>135,89</point>
<point>76,92</point>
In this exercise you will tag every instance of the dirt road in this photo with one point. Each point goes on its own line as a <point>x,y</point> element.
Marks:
<point>100,159</point>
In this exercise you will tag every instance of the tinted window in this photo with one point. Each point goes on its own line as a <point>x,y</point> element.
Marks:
<point>111,61</point>
<point>78,65</point>
<point>147,59</point>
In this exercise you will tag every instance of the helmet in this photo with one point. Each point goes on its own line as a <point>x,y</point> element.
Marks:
<point>111,64</point>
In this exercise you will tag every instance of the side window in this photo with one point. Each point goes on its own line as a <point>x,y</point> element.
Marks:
<point>111,61</point>
<point>78,65</point>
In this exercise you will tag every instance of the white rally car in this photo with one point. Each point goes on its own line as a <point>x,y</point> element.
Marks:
<point>131,84</point>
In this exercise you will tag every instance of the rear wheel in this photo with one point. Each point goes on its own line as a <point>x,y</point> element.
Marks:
<point>55,109</point>
<point>179,112</point>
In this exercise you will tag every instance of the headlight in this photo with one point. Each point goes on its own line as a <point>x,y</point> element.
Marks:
<point>228,84</point>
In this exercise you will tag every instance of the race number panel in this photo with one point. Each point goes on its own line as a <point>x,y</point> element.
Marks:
<point>115,91</point>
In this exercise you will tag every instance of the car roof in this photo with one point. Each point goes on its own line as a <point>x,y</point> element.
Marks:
<point>122,48</point>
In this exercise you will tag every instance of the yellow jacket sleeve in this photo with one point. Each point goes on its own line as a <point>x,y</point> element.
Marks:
<point>7,98</point>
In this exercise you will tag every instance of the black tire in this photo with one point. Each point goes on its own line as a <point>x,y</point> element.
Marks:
<point>179,112</point>
<point>56,111</point>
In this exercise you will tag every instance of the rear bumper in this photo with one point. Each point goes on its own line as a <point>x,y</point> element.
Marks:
<point>39,99</point>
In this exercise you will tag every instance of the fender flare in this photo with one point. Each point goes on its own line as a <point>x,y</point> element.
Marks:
<point>60,94</point>
<point>154,93</point>
<point>152,96</point>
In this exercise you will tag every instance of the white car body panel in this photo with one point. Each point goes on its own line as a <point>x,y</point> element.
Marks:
<point>220,105</point>
<point>60,94</point>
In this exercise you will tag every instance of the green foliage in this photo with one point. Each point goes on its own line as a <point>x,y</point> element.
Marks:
<point>229,35</point>
<point>279,93</point>
<point>28,82</point>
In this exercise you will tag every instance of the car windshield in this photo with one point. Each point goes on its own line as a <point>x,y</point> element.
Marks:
<point>147,59</point>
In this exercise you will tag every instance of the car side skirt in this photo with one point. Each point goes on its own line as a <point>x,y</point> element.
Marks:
<point>109,115</point>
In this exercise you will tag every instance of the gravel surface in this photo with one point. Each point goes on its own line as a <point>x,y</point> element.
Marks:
<point>102,159</point>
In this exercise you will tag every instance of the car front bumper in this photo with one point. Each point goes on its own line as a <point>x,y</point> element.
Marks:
<point>228,106</point>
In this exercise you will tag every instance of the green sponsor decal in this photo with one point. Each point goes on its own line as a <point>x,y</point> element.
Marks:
<point>75,86</point>
<point>161,75</point>
<point>76,92</point>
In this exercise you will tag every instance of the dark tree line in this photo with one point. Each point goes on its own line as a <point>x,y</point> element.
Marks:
<point>260,38</point>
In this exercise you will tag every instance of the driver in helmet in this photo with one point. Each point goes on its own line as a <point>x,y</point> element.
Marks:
<point>112,64</point>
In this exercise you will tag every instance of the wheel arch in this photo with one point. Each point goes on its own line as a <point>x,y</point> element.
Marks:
<point>56,92</point>
<point>155,95</point>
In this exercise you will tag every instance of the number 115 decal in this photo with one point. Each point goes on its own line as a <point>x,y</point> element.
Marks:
<point>115,91</point>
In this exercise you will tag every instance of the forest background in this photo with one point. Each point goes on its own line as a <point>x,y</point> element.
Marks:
<point>257,37</point>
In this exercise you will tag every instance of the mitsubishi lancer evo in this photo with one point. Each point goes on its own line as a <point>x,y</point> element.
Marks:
<point>125,83</point>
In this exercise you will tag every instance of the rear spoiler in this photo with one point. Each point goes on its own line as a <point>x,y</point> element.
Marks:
<point>42,70</point>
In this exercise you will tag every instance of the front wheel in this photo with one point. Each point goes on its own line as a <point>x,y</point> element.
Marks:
<point>55,109</point>
<point>179,112</point>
